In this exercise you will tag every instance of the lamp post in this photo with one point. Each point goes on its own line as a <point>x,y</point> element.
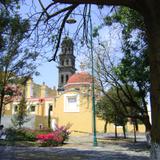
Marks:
<point>72,21</point>
<point>93,89</point>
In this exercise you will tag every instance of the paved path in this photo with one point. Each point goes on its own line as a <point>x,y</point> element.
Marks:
<point>79,148</point>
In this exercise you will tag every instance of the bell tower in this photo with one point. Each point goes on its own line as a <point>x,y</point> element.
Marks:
<point>66,62</point>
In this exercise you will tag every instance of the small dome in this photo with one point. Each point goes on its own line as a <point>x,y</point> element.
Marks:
<point>67,42</point>
<point>80,77</point>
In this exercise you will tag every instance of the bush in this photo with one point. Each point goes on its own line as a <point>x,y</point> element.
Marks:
<point>54,138</point>
<point>46,137</point>
<point>13,134</point>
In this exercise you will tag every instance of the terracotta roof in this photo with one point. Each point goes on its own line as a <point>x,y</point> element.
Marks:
<point>80,77</point>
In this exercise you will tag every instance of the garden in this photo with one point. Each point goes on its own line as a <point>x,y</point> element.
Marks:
<point>41,137</point>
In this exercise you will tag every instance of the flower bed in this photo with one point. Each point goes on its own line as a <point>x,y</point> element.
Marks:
<point>43,137</point>
<point>54,138</point>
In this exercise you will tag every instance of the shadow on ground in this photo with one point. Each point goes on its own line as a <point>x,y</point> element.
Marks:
<point>59,153</point>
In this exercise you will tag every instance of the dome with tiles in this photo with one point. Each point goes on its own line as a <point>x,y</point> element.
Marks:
<point>79,78</point>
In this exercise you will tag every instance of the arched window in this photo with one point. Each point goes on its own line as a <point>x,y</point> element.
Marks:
<point>67,78</point>
<point>62,78</point>
<point>67,62</point>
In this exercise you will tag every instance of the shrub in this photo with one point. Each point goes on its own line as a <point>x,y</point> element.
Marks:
<point>10,134</point>
<point>22,134</point>
<point>54,138</point>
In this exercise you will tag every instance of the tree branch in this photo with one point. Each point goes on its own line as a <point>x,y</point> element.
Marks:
<point>60,31</point>
<point>129,3</point>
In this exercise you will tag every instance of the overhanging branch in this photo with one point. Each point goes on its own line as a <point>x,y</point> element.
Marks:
<point>61,30</point>
<point>129,3</point>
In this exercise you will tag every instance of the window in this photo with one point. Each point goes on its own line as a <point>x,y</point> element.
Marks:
<point>62,79</point>
<point>67,62</point>
<point>71,103</point>
<point>32,108</point>
<point>66,78</point>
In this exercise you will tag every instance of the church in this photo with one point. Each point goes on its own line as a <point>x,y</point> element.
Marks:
<point>70,104</point>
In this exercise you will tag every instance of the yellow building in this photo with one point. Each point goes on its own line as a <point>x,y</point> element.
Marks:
<point>39,98</point>
<point>70,104</point>
<point>74,106</point>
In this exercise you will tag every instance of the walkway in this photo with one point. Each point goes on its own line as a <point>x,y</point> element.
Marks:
<point>80,148</point>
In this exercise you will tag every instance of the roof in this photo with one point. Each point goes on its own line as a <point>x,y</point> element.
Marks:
<point>80,77</point>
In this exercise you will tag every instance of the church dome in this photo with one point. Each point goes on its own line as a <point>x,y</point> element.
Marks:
<point>78,80</point>
<point>80,77</point>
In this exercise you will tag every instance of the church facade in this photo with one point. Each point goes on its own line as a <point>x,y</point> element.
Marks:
<point>70,104</point>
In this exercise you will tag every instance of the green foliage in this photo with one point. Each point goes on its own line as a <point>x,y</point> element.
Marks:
<point>20,135</point>
<point>16,59</point>
<point>131,74</point>
<point>20,117</point>
<point>24,134</point>
<point>110,109</point>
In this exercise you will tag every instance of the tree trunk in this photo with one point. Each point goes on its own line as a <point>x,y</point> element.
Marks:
<point>105,126</point>
<point>148,129</point>
<point>134,131</point>
<point>152,21</point>
<point>1,104</point>
<point>155,151</point>
<point>124,131</point>
<point>115,123</point>
<point>136,124</point>
<point>116,131</point>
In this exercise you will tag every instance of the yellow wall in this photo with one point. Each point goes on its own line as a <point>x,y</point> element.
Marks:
<point>81,122</point>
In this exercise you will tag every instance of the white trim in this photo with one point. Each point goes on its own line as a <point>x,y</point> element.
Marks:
<point>77,83</point>
<point>75,107</point>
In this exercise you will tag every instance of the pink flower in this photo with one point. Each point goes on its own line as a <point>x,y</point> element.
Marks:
<point>57,136</point>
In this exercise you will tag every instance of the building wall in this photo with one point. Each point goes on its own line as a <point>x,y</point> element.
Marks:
<point>81,122</point>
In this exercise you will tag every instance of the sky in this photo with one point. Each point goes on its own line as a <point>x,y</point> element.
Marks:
<point>48,70</point>
<point>48,74</point>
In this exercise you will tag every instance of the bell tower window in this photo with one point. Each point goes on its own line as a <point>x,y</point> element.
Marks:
<point>67,78</point>
<point>62,78</point>
<point>67,62</point>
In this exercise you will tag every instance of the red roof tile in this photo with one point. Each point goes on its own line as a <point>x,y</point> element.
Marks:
<point>80,77</point>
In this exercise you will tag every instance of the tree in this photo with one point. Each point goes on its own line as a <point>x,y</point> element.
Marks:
<point>109,109</point>
<point>134,66</point>
<point>150,11</point>
<point>20,117</point>
<point>122,77</point>
<point>104,111</point>
<point>17,63</point>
